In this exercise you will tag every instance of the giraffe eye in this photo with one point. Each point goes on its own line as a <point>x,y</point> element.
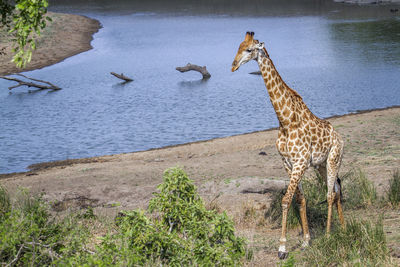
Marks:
<point>249,50</point>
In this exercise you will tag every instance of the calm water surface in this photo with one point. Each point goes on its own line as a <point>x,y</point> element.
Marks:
<point>339,58</point>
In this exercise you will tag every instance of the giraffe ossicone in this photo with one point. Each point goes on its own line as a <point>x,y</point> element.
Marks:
<point>304,140</point>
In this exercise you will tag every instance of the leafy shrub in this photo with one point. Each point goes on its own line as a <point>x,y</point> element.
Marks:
<point>361,243</point>
<point>182,231</point>
<point>393,192</point>
<point>30,237</point>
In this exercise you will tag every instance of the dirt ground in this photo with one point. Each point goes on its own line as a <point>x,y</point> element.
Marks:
<point>236,174</point>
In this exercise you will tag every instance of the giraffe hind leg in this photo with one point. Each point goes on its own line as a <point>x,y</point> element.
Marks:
<point>322,170</point>
<point>338,201</point>
<point>334,186</point>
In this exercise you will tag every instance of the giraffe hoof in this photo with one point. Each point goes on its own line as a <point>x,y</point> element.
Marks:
<point>282,255</point>
<point>305,244</point>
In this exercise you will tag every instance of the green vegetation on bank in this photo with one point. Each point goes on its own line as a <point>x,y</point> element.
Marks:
<point>358,192</point>
<point>361,243</point>
<point>30,236</point>
<point>315,193</point>
<point>24,20</point>
<point>176,230</point>
<point>393,191</point>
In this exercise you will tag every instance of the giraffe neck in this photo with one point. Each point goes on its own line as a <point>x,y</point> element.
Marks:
<point>287,103</point>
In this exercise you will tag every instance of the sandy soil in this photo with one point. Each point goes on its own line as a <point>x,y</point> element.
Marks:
<point>65,36</point>
<point>236,174</point>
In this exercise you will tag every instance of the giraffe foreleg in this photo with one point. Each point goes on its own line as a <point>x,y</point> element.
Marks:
<point>297,173</point>
<point>301,201</point>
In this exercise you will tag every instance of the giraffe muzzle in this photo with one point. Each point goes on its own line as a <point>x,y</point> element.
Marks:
<point>235,66</point>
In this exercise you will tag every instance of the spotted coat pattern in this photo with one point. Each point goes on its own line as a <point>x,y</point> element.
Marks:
<point>304,140</point>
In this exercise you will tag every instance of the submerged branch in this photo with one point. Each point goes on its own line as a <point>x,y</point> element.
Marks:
<point>121,76</point>
<point>202,70</point>
<point>255,72</point>
<point>44,86</point>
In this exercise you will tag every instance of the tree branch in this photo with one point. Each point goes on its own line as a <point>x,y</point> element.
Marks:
<point>37,80</point>
<point>202,70</point>
<point>16,256</point>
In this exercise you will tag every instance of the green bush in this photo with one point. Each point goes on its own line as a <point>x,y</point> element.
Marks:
<point>361,243</point>
<point>29,236</point>
<point>177,230</point>
<point>182,231</point>
<point>393,192</point>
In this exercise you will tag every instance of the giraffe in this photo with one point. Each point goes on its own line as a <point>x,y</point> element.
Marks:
<point>304,140</point>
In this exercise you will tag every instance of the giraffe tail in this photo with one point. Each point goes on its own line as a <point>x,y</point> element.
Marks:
<point>339,183</point>
<point>337,188</point>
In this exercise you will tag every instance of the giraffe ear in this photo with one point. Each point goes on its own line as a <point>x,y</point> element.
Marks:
<point>261,45</point>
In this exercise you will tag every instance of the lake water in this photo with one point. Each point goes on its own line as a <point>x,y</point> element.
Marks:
<point>340,58</point>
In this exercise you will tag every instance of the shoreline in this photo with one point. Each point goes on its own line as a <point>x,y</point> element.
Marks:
<point>103,158</point>
<point>66,36</point>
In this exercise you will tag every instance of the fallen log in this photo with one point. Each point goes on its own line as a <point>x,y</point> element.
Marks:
<point>44,86</point>
<point>202,70</point>
<point>121,76</point>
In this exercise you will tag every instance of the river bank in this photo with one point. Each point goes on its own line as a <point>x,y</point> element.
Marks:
<point>65,36</point>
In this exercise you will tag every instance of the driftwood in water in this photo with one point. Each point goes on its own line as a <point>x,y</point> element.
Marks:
<point>121,76</point>
<point>44,86</point>
<point>255,72</point>
<point>202,70</point>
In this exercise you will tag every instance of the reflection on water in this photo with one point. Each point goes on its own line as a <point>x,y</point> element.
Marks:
<point>121,84</point>
<point>192,84</point>
<point>372,41</point>
<point>252,8</point>
<point>338,65</point>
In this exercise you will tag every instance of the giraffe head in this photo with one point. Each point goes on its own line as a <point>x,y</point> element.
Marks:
<point>248,50</point>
